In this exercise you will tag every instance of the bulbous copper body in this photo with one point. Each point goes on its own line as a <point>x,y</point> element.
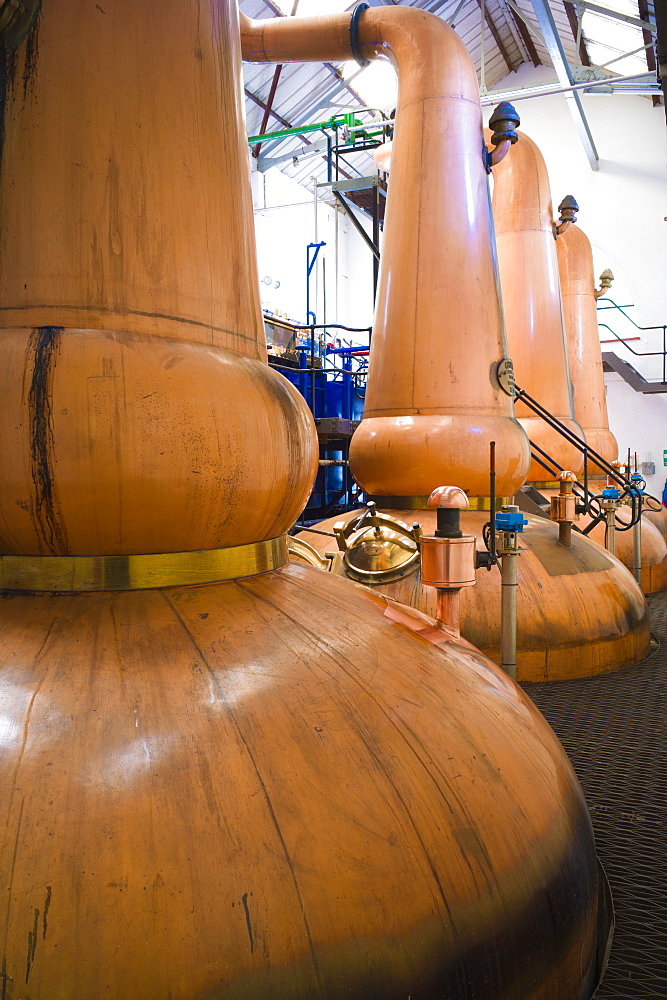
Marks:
<point>98,420</point>
<point>658,518</point>
<point>251,789</point>
<point>653,544</point>
<point>579,610</point>
<point>270,789</point>
<point>653,553</point>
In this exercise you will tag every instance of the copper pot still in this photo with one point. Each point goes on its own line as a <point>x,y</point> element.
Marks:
<point>222,777</point>
<point>434,403</point>
<point>579,294</point>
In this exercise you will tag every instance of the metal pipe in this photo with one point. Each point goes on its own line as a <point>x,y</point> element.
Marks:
<point>547,90</point>
<point>611,530</point>
<point>312,369</point>
<point>314,531</point>
<point>449,608</point>
<point>565,532</point>
<point>637,493</point>
<point>508,591</point>
<point>510,524</point>
<point>565,432</point>
<point>637,543</point>
<point>492,497</point>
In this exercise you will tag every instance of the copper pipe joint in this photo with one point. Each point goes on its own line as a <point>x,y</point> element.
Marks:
<point>504,122</point>
<point>448,558</point>
<point>499,152</point>
<point>564,508</point>
<point>606,279</point>
<point>449,609</point>
<point>565,532</point>
<point>568,209</point>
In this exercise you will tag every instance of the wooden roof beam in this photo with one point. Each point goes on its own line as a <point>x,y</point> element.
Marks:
<point>496,37</point>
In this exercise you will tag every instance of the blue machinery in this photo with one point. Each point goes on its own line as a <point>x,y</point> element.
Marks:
<point>331,376</point>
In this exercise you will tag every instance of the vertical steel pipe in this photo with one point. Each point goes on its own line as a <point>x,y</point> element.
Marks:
<point>637,546</point>
<point>508,596</point>
<point>611,530</point>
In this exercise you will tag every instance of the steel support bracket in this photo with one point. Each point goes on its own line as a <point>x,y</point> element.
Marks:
<point>566,77</point>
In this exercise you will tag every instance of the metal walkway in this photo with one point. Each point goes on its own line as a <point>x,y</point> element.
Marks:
<point>612,363</point>
<point>614,729</point>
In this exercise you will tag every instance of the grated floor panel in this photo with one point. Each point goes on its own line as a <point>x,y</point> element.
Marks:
<point>614,729</point>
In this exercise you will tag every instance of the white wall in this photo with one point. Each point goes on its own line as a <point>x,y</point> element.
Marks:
<point>285,223</point>
<point>639,422</point>
<point>624,203</point>
<point>622,210</point>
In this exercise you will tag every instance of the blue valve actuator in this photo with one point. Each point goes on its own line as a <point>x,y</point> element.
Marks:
<point>636,478</point>
<point>611,493</point>
<point>510,520</point>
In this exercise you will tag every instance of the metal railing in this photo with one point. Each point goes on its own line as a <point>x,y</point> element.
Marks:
<point>312,369</point>
<point>588,501</point>
<point>610,306</point>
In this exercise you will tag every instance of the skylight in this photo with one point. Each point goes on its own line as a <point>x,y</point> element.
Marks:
<point>377,84</point>
<point>607,38</point>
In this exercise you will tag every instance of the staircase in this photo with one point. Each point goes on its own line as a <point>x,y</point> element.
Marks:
<point>612,363</point>
<point>531,501</point>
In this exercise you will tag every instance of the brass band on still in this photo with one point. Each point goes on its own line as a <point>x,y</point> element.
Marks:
<point>226,774</point>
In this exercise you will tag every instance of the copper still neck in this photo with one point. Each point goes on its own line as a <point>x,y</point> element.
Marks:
<point>137,414</point>
<point>524,225</point>
<point>432,402</point>
<point>577,282</point>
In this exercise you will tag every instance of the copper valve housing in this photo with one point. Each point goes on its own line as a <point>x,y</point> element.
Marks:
<point>448,563</point>
<point>448,557</point>
<point>564,504</point>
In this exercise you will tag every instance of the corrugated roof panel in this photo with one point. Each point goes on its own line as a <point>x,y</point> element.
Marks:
<point>310,92</point>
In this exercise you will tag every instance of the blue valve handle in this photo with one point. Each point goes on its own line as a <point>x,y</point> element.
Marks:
<point>510,520</point>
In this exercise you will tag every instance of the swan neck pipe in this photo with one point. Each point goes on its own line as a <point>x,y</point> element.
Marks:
<point>433,402</point>
<point>499,152</point>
